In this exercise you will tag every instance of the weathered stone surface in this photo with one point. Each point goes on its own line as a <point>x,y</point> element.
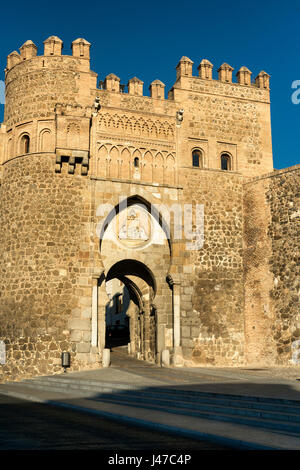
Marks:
<point>224,296</point>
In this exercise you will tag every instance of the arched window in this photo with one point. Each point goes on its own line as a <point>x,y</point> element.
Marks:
<point>136,162</point>
<point>25,144</point>
<point>197,158</point>
<point>225,161</point>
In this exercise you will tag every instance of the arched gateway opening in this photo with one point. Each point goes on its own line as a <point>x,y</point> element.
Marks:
<point>130,315</point>
<point>134,297</point>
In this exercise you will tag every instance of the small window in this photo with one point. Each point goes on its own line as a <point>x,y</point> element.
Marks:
<point>225,162</point>
<point>25,144</point>
<point>136,162</point>
<point>197,158</point>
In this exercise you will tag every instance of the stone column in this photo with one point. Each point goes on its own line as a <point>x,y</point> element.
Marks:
<point>94,335</point>
<point>176,314</point>
<point>175,284</point>
<point>103,300</point>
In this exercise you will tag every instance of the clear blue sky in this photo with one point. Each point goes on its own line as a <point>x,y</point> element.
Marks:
<point>147,39</point>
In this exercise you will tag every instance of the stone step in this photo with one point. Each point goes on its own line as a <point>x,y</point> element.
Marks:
<point>243,410</point>
<point>188,395</point>
<point>240,408</point>
<point>221,399</point>
<point>234,434</point>
<point>233,415</point>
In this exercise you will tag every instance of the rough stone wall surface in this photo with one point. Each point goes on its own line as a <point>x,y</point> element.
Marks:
<point>271,266</point>
<point>35,86</point>
<point>236,296</point>
<point>44,273</point>
<point>212,280</point>
<point>284,200</point>
<point>34,92</point>
<point>227,118</point>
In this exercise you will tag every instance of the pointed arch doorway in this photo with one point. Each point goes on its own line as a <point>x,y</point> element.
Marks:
<point>130,314</point>
<point>135,251</point>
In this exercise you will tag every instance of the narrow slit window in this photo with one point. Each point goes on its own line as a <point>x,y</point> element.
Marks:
<point>136,162</point>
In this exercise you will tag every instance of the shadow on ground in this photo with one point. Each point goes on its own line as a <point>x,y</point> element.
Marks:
<point>27,425</point>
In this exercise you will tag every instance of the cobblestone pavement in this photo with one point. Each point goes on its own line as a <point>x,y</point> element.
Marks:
<point>30,426</point>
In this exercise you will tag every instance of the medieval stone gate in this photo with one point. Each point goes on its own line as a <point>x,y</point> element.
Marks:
<point>68,147</point>
<point>135,249</point>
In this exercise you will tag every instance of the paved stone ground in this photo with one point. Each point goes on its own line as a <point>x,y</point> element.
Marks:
<point>31,426</point>
<point>41,424</point>
<point>273,382</point>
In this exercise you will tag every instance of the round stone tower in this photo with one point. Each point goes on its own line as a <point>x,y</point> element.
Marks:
<point>45,244</point>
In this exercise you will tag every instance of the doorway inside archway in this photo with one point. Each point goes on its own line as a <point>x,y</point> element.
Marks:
<point>130,314</point>
<point>117,315</point>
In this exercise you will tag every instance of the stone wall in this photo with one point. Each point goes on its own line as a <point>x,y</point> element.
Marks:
<point>212,298</point>
<point>45,269</point>
<point>35,86</point>
<point>224,117</point>
<point>239,290</point>
<point>271,264</point>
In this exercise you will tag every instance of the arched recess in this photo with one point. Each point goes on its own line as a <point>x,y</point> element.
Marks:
<point>45,140</point>
<point>101,170</point>
<point>132,267</point>
<point>169,176</point>
<point>125,164</point>
<point>114,163</point>
<point>145,129</point>
<point>153,132</point>
<point>136,164</point>
<point>111,122</point>
<point>24,144</point>
<point>147,167</point>
<point>152,206</point>
<point>158,169</point>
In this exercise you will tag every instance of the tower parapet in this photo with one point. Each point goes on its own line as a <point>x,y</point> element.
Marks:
<point>205,69</point>
<point>157,89</point>
<point>263,80</point>
<point>184,67</point>
<point>53,46</point>
<point>12,59</point>
<point>112,83</point>
<point>55,77</point>
<point>28,50</point>
<point>244,76</point>
<point>135,86</point>
<point>225,73</point>
<point>81,48</point>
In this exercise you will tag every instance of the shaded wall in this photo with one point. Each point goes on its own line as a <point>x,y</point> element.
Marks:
<point>271,266</point>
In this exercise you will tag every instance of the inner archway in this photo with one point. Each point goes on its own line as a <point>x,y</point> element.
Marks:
<point>130,313</point>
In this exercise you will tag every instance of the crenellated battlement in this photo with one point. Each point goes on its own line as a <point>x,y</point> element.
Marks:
<point>56,101</point>
<point>80,49</point>
<point>52,47</point>
<point>184,69</point>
